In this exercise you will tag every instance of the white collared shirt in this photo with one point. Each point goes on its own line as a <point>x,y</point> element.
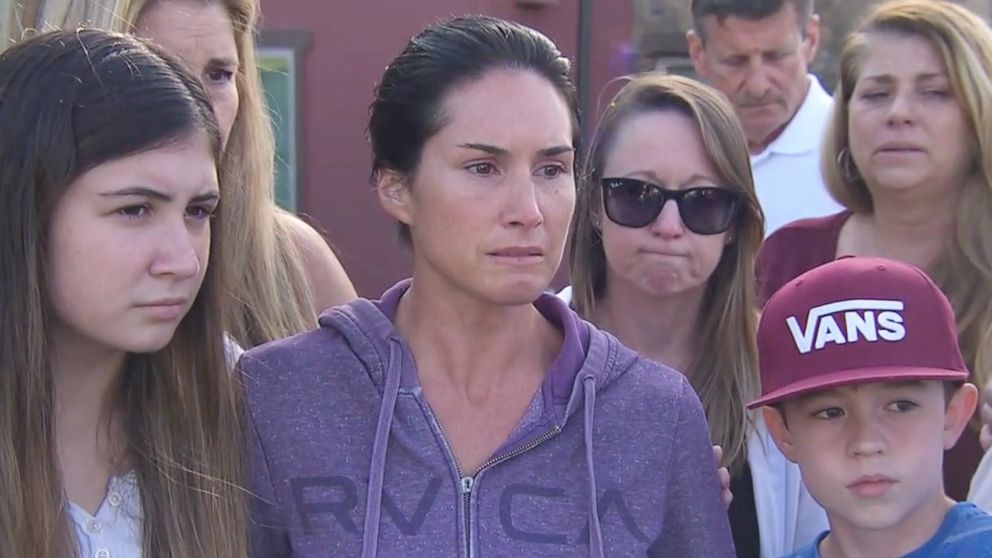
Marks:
<point>787,173</point>
<point>115,530</point>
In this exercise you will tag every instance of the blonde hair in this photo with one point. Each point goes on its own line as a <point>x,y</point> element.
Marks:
<point>724,367</point>
<point>180,409</point>
<point>964,43</point>
<point>21,18</point>
<point>270,292</point>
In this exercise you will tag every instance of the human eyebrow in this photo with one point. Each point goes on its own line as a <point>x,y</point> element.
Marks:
<point>653,178</point>
<point>207,197</point>
<point>225,62</point>
<point>938,77</point>
<point>879,79</point>
<point>776,52</point>
<point>138,191</point>
<point>697,178</point>
<point>501,152</point>
<point>829,396</point>
<point>734,59</point>
<point>490,149</point>
<point>557,150</point>
<point>143,192</point>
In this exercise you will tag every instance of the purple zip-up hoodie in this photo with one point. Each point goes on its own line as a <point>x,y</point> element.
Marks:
<point>349,460</point>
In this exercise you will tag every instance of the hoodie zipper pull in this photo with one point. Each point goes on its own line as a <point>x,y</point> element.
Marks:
<point>467,484</point>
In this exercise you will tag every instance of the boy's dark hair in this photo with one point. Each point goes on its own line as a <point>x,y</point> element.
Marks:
<point>746,9</point>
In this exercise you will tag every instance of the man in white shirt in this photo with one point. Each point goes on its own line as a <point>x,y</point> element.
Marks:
<point>757,53</point>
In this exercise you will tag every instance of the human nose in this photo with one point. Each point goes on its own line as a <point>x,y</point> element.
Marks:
<point>668,223</point>
<point>901,109</point>
<point>757,82</point>
<point>178,252</point>
<point>866,436</point>
<point>523,208</point>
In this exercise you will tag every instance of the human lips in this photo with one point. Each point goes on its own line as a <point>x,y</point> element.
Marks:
<point>518,254</point>
<point>165,308</point>
<point>663,253</point>
<point>872,486</point>
<point>899,147</point>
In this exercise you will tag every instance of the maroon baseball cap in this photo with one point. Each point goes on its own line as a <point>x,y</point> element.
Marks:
<point>855,320</point>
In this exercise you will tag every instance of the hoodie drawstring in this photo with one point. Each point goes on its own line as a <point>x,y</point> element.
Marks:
<point>595,530</point>
<point>377,470</point>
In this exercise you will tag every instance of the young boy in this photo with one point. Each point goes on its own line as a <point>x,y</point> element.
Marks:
<point>864,387</point>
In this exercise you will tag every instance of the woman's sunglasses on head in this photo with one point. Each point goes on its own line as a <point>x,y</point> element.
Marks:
<point>635,203</point>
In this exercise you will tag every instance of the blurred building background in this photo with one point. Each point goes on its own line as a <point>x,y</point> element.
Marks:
<point>322,58</point>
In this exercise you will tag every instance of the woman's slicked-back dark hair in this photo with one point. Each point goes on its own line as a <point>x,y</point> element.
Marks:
<point>407,108</point>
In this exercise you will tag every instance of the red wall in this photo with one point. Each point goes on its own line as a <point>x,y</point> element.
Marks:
<point>352,41</point>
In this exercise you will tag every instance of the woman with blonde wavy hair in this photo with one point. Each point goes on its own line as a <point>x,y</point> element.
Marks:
<point>908,154</point>
<point>666,228</point>
<point>288,274</point>
<point>121,425</point>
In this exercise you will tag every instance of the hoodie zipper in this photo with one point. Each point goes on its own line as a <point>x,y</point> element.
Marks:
<point>555,430</point>
<point>467,482</point>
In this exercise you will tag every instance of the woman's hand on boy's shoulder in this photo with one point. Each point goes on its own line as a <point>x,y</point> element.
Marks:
<point>724,474</point>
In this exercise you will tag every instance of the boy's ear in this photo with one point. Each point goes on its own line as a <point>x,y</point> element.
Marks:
<point>959,411</point>
<point>394,195</point>
<point>780,432</point>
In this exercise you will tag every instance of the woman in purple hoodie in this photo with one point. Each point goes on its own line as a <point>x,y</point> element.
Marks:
<point>466,412</point>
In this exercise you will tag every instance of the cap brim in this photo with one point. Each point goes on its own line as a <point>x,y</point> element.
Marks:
<point>857,376</point>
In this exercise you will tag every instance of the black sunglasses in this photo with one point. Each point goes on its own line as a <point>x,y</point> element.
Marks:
<point>704,210</point>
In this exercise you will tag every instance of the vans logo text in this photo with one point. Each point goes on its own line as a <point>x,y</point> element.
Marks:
<point>846,322</point>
